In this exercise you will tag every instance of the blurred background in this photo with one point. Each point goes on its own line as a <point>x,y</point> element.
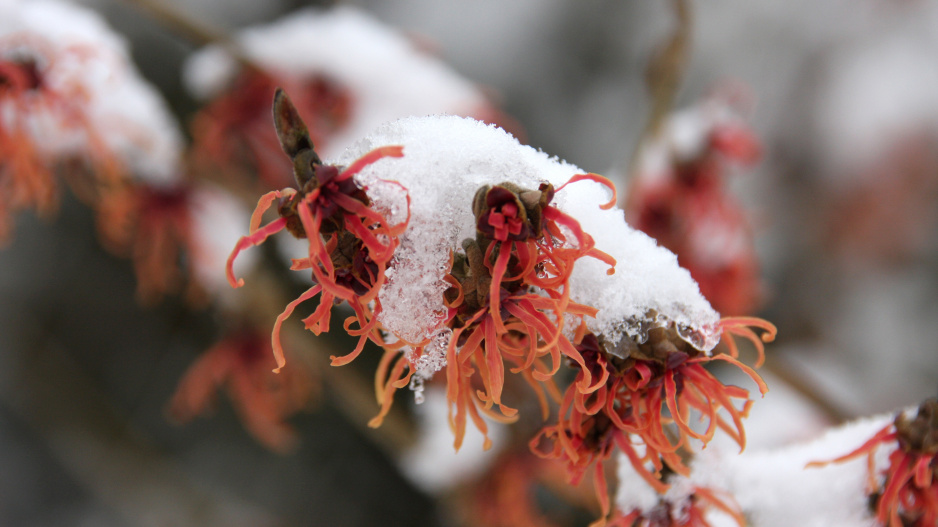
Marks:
<point>842,95</point>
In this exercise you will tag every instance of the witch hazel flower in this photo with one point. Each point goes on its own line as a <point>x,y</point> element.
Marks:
<point>349,242</point>
<point>69,92</point>
<point>679,197</point>
<point>354,74</point>
<point>644,407</point>
<point>519,245</point>
<point>177,237</point>
<point>233,130</point>
<point>240,364</point>
<point>904,492</point>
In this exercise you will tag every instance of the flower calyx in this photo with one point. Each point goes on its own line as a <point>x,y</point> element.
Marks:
<point>19,75</point>
<point>508,212</point>
<point>919,434</point>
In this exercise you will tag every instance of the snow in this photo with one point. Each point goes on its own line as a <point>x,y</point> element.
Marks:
<point>219,220</point>
<point>632,492</point>
<point>82,58</point>
<point>446,159</point>
<point>432,464</point>
<point>774,488</point>
<point>386,74</point>
<point>649,289</point>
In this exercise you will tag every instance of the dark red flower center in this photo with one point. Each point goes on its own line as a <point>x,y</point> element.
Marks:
<point>19,75</point>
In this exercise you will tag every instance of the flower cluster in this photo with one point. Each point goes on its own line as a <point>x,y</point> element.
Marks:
<point>66,83</point>
<point>906,493</point>
<point>511,300</point>
<point>26,173</point>
<point>356,74</point>
<point>644,405</point>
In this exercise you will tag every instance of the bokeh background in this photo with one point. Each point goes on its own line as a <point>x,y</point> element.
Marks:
<point>844,98</point>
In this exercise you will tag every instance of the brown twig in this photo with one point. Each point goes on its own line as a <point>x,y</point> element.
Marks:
<point>199,33</point>
<point>196,31</point>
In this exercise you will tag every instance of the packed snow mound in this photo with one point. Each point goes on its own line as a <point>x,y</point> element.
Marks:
<point>446,160</point>
<point>776,488</point>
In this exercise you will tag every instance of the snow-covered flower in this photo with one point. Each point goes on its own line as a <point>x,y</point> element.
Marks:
<point>177,236</point>
<point>489,258</point>
<point>70,93</point>
<point>645,389</point>
<point>233,131</point>
<point>495,317</point>
<point>350,242</point>
<point>346,73</point>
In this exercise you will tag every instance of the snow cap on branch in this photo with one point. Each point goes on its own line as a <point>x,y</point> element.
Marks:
<point>446,160</point>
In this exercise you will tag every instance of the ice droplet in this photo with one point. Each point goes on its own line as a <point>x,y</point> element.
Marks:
<point>416,386</point>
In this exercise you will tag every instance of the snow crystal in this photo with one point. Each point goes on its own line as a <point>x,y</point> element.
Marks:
<point>78,53</point>
<point>632,491</point>
<point>386,74</point>
<point>446,160</point>
<point>774,488</point>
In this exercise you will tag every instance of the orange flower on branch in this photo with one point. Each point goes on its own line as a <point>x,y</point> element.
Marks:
<point>350,244</point>
<point>656,385</point>
<point>25,179</point>
<point>74,108</point>
<point>682,201</point>
<point>234,131</point>
<point>519,245</point>
<point>240,363</point>
<point>161,229</point>
<point>668,374</point>
<point>28,159</point>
